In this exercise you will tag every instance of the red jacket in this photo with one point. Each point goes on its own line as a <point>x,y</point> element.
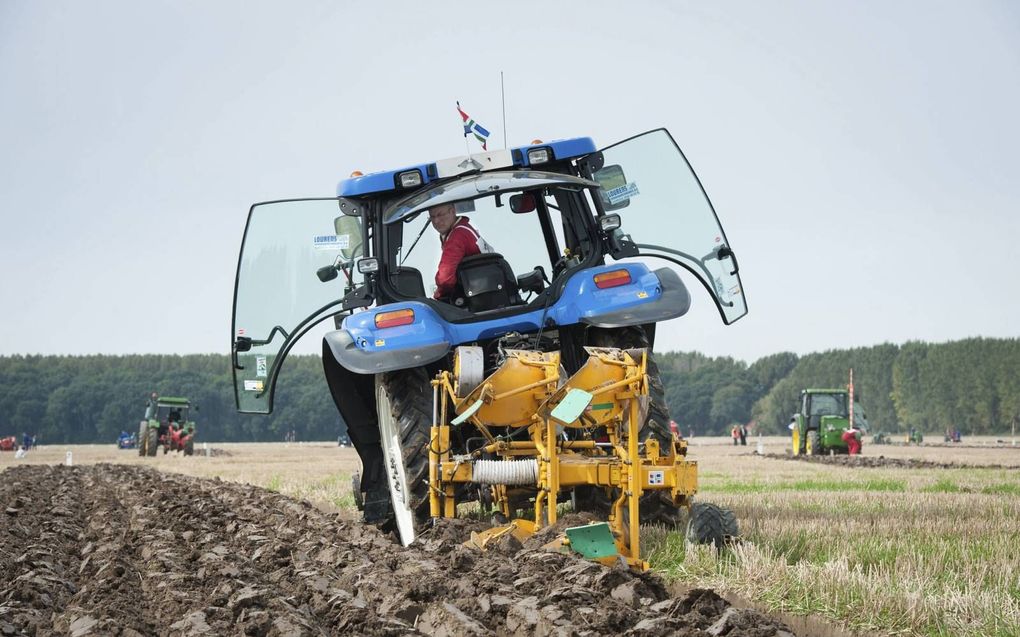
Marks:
<point>461,241</point>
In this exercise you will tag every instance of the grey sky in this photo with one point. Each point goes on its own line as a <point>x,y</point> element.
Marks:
<point>863,157</point>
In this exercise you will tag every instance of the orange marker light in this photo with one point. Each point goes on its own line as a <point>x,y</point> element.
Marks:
<point>357,173</point>
<point>612,279</point>
<point>535,142</point>
<point>395,318</point>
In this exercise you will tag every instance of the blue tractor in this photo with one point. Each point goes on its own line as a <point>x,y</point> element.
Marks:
<point>588,246</point>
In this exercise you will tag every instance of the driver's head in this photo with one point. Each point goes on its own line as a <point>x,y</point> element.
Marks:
<point>443,217</point>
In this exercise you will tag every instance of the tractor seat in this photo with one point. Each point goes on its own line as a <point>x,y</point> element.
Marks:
<point>486,282</point>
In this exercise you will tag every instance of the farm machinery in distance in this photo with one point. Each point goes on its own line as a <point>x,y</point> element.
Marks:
<point>822,422</point>
<point>167,423</point>
<point>519,391</point>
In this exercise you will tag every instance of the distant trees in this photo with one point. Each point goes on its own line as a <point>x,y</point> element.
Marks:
<point>973,384</point>
<point>85,399</point>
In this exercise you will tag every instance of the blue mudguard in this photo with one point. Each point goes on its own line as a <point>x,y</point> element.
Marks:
<point>649,297</point>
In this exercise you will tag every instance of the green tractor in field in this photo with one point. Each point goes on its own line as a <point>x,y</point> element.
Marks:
<point>822,419</point>
<point>166,423</point>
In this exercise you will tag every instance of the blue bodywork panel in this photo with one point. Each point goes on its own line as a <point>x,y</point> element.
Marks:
<point>385,181</point>
<point>429,337</point>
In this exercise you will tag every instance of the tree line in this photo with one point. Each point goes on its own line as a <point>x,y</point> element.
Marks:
<point>973,384</point>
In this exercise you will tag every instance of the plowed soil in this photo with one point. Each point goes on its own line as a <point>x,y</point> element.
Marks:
<point>870,461</point>
<point>113,549</point>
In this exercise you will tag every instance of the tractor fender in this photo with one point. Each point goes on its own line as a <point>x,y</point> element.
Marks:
<point>650,297</point>
<point>363,348</point>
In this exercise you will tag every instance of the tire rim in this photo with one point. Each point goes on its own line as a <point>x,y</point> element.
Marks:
<point>393,464</point>
<point>809,448</point>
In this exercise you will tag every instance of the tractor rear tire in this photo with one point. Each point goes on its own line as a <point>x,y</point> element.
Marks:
<point>710,524</point>
<point>189,448</point>
<point>404,404</point>
<point>142,430</point>
<point>657,421</point>
<point>657,507</point>
<point>814,443</point>
<point>151,441</point>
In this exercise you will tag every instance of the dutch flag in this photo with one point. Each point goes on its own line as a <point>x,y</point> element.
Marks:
<point>471,127</point>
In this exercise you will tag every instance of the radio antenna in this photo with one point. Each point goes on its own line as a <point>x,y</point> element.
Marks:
<point>502,95</point>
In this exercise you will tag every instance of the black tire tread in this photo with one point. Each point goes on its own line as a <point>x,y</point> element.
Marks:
<point>708,524</point>
<point>143,430</point>
<point>410,395</point>
<point>816,442</point>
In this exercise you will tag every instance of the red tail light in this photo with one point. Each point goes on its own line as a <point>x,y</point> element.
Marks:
<point>612,279</point>
<point>395,318</point>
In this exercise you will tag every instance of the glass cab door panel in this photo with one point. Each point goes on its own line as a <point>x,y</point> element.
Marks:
<point>665,211</point>
<point>289,247</point>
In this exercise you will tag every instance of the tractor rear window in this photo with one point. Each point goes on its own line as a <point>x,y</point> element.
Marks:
<point>828,405</point>
<point>520,237</point>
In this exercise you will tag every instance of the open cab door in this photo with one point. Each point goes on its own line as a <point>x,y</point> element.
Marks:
<point>294,268</point>
<point>665,214</point>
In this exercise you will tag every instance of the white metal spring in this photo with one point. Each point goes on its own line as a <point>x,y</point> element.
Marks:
<point>505,471</point>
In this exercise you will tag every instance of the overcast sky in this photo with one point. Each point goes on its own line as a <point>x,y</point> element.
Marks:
<point>862,156</point>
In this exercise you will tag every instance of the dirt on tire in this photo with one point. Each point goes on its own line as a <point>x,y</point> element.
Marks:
<point>127,550</point>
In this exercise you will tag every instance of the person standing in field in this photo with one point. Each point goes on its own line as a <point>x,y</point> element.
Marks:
<point>850,438</point>
<point>735,432</point>
<point>743,435</point>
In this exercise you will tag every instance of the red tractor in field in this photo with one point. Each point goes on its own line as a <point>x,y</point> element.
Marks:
<point>10,443</point>
<point>179,437</point>
<point>166,423</point>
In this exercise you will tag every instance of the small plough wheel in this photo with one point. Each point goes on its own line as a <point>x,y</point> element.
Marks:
<point>711,524</point>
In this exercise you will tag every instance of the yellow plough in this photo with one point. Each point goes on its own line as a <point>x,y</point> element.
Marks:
<point>544,435</point>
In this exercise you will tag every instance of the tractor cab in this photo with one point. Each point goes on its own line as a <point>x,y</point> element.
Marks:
<point>579,237</point>
<point>172,410</point>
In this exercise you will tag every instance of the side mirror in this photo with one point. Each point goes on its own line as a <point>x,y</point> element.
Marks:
<point>522,203</point>
<point>615,192</point>
<point>327,273</point>
<point>242,344</point>
<point>348,236</point>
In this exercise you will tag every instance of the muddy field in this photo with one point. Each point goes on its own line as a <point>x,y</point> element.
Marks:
<point>873,461</point>
<point>115,549</point>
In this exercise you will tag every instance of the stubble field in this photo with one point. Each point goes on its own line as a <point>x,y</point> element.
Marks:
<point>904,540</point>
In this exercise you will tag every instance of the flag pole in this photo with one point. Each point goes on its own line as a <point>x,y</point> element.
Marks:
<point>502,95</point>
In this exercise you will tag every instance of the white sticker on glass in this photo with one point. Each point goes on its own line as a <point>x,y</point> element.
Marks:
<point>616,195</point>
<point>329,242</point>
<point>254,385</point>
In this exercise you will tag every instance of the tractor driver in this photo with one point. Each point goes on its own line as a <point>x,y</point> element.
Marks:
<point>459,239</point>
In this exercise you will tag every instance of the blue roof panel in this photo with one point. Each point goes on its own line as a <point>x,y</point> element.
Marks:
<point>385,181</point>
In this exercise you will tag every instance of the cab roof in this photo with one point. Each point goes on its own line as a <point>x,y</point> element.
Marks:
<point>413,177</point>
<point>173,401</point>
